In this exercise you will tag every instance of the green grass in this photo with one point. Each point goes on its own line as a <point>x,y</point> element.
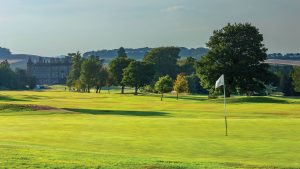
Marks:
<point>125,131</point>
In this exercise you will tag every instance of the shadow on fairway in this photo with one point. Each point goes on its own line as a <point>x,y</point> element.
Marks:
<point>192,97</point>
<point>7,98</point>
<point>35,97</point>
<point>252,99</point>
<point>255,99</point>
<point>117,112</point>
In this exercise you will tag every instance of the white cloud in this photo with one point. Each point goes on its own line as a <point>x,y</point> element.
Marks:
<point>174,8</point>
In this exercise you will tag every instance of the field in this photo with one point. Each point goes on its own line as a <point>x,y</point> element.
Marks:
<point>58,129</point>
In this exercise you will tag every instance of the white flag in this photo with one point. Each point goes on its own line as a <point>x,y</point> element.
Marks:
<point>220,82</point>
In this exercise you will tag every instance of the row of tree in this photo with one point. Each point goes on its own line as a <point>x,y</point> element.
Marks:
<point>237,51</point>
<point>122,71</point>
<point>13,80</point>
<point>287,80</point>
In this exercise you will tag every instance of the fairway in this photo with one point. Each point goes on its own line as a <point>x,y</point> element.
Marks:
<point>88,130</point>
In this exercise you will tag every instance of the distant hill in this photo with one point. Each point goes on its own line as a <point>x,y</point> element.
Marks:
<point>288,56</point>
<point>16,60</point>
<point>20,60</point>
<point>139,53</point>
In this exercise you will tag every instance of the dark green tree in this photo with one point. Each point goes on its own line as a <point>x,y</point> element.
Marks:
<point>194,85</point>
<point>295,75</point>
<point>6,75</point>
<point>238,52</point>
<point>109,81</point>
<point>164,60</point>
<point>187,66</point>
<point>17,79</point>
<point>138,74</point>
<point>75,69</point>
<point>122,53</point>
<point>164,85</point>
<point>116,67</point>
<point>102,79</point>
<point>89,74</point>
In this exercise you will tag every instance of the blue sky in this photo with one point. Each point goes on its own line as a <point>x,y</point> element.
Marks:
<point>55,27</point>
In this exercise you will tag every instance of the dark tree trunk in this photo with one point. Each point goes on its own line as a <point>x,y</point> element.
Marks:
<point>227,94</point>
<point>161,98</point>
<point>136,90</point>
<point>100,90</point>
<point>122,90</point>
<point>177,95</point>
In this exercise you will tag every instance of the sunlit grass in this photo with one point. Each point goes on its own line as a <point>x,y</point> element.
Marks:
<point>125,131</point>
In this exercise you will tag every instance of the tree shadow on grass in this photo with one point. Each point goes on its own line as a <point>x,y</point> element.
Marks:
<point>35,97</point>
<point>7,98</point>
<point>117,112</point>
<point>258,100</point>
<point>253,99</point>
<point>190,97</point>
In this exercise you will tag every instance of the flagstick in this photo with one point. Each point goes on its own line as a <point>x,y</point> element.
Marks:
<point>225,114</point>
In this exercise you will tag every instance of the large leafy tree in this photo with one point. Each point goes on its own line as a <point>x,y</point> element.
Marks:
<point>181,85</point>
<point>116,67</point>
<point>109,81</point>
<point>296,78</point>
<point>164,60</point>
<point>18,79</point>
<point>164,85</point>
<point>138,74</point>
<point>102,79</point>
<point>89,74</point>
<point>187,65</point>
<point>238,52</point>
<point>75,69</point>
<point>194,84</point>
<point>122,52</point>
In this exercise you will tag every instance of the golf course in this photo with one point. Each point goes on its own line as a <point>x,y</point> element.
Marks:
<point>60,129</point>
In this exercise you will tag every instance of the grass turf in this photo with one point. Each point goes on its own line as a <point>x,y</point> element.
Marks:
<point>125,131</point>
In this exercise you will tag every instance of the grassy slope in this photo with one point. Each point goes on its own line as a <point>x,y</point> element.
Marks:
<point>125,131</point>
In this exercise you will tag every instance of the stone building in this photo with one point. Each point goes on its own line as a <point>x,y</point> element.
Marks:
<point>49,71</point>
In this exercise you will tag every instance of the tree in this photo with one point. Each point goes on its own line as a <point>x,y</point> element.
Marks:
<point>75,69</point>
<point>138,74</point>
<point>238,52</point>
<point>164,85</point>
<point>187,65</point>
<point>164,60</point>
<point>17,79</point>
<point>181,85</point>
<point>102,79</point>
<point>194,84</point>
<point>296,78</point>
<point>122,53</point>
<point>109,81</point>
<point>89,73</point>
<point>116,67</point>
<point>6,75</point>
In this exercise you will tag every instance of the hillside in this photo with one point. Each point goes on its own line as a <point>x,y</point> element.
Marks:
<point>139,53</point>
<point>20,60</point>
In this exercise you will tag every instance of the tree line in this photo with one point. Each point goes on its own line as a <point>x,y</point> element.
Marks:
<point>237,51</point>
<point>15,80</point>
<point>87,73</point>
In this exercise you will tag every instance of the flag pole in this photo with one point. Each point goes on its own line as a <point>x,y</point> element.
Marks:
<point>225,113</point>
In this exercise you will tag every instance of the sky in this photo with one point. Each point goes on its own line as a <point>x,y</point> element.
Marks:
<point>57,27</point>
